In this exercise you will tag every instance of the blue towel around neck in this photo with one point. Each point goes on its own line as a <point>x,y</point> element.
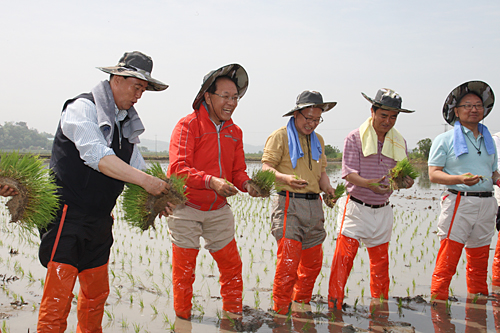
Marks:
<point>460,145</point>
<point>294,144</point>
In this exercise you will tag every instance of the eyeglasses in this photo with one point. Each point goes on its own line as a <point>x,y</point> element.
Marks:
<point>228,98</point>
<point>311,120</point>
<point>469,107</point>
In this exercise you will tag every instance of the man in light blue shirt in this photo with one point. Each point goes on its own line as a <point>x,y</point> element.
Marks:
<point>465,160</point>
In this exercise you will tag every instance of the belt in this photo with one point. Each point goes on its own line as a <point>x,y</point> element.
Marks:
<point>367,205</point>
<point>485,194</point>
<point>307,196</point>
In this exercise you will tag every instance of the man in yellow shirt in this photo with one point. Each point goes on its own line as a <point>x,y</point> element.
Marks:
<point>295,153</point>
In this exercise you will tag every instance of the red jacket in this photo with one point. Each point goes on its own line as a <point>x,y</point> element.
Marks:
<point>198,152</point>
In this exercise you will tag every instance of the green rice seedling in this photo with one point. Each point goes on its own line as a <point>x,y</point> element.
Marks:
<point>402,169</point>
<point>332,316</point>
<point>36,203</point>
<point>264,182</point>
<point>362,292</point>
<point>355,303</point>
<point>124,323</point>
<point>137,327</point>
<point>5,329</point>
<point>142,208</point>
<point>131,298</point>
<point>155,310</point>
<point>305,328</point>
<point>476,297</point>
<point>141,303</point>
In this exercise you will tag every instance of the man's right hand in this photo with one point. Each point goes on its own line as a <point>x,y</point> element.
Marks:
<point>156,186</point>
<point>223,188</point>
<point>292,181</point>
<point>469,179</point>
<point>376,185</point>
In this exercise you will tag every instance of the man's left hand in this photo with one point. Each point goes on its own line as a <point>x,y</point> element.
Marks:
<point>169,210</point>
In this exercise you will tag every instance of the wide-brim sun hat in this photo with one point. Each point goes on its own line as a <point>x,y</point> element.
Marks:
<point>234,71</point>
<point>387,99</point>
<point>308,99</point>
<point>136,64</point>
<point>481,88</point>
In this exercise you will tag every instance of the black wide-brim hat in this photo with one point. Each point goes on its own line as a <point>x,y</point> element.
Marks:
<point>308,99</point>
<point>234,71</point>
<point>482,89</point>
<point>387,99</point>
<point>136,64</point>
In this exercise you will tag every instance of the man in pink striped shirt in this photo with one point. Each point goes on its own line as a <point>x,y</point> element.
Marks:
<point>370,151</point>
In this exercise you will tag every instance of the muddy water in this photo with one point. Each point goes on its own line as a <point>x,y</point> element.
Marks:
<point>141,271</point>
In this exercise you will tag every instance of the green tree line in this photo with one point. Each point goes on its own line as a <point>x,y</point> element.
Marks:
<point>17,136</point>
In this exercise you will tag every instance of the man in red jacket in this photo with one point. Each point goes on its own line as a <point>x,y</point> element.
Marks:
<point>206,147</point>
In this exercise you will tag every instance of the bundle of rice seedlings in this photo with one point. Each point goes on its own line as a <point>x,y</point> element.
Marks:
<point>142,208</point>
<point>330,200</point>
<point>263,181</point>
<point>399,172</point>
<point>36,203</point>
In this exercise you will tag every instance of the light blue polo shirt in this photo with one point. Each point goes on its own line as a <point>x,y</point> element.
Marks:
<point>442,155</point>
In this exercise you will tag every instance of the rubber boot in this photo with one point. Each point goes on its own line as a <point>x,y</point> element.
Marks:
<point>345,251</point>
<point>289,252</point>
<point>231,283</point>
<point>446,266</point>
<point>496,265</point>
<point>183,266</point>
<point>57,296</point>
<point>379,270</point>
<point>477,269</point>
<point>311,261</point>
<point>94,290</point>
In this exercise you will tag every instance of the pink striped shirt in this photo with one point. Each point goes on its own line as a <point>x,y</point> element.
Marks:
<point>369,167</point>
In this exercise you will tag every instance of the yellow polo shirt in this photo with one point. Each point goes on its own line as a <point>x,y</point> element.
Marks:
<point>276,154</point>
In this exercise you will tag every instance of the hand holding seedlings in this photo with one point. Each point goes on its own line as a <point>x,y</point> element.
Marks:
<point>331,196</point>
<point>469,179</point>
<point>141,208</point>
<point>376,185</point>
<point>402,175</point>
<point>222,187</point>
<point>295,181</point>
<point>261,184</point>
<point>6,191</point>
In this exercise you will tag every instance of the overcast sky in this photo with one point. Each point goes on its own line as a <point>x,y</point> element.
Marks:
<point>422,49</point>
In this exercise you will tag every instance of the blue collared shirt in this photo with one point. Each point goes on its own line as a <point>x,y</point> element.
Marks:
<point>443,155</point>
